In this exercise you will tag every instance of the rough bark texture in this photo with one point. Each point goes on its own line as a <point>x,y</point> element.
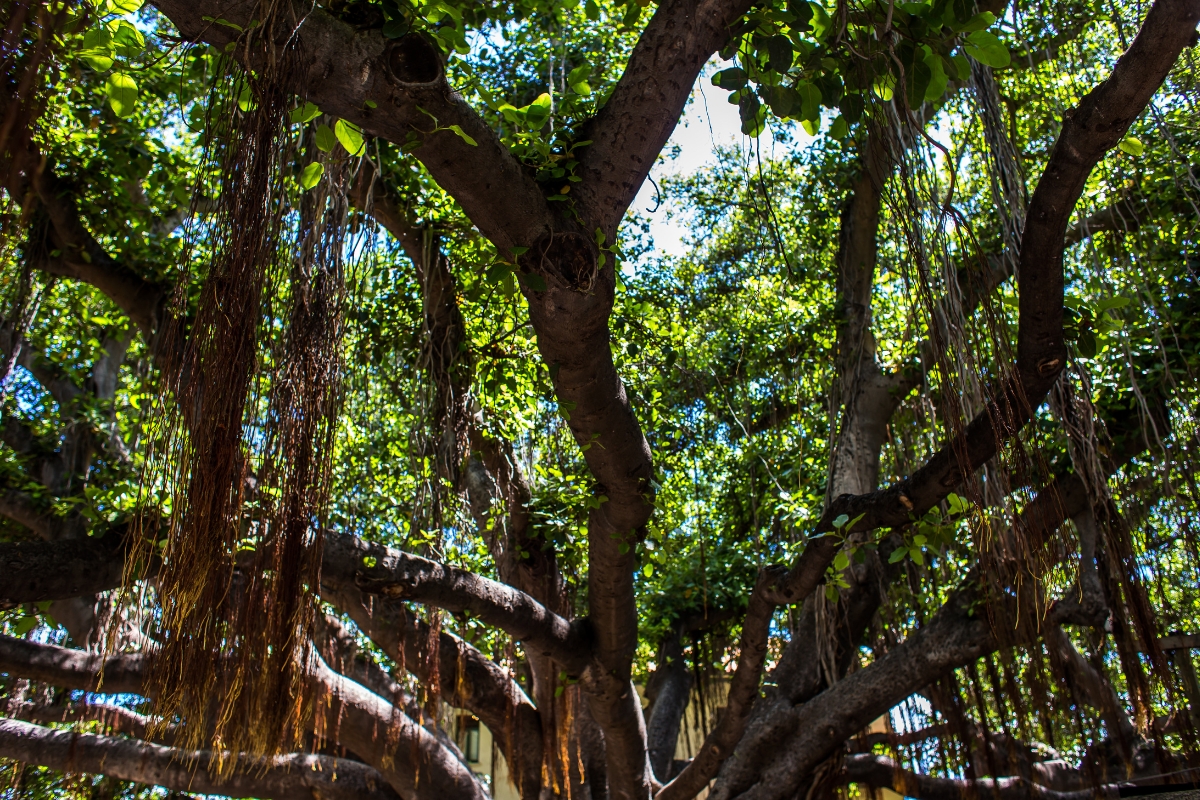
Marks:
<point>401,576</point>
<point>39,571</point>
<point>291,777</point>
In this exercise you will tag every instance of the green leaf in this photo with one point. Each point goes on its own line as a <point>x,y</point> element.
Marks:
<point>370,561</point>
<point>840,520</point>
<point>350,136</point>
<point>730,79</point>
<point>979,22</point>
<point>325,138</point>
<point>305,113</point>
<point>782,100</point>
<point>839,129</point>
<point>986,48</point>
<point>897,555</point>
<point>780,53</point>
<point>591,10</point>
<point>1112,302</point>
<point>497,272</point>
<point>579,75</point>
<point>311,175</point>
<point>810,103</point>
<point>462,135</point>
<point>395,28</point>
<point>647,569</point>
<point>917,79</point>
<point>25,625</point>
<point>581,88</point>
<point>125,6</point>
<point>245,99</point>
<point>537,112</point>
<point>98,60</point>
<point>122,94</point>
<point>938,79</point>
<point>804,13</point>
<point>1131,145</point>
<point>917,555</point>
<point>852,107</point>
<point>831,593</point>
<point>128,39</point>
<point>1087,344</point>
<point>956,504</point>
<point>841,561</point>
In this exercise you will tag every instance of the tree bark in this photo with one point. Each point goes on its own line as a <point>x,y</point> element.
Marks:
<point>290,777</point>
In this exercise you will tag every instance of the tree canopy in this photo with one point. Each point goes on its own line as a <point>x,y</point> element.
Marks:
<point>349,400</point>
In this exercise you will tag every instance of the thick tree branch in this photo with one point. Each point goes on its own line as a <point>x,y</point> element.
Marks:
<point>880,772</point>
<point>404,752</point>
<point>82,256</point>
<point>72,669</point>
<point>1089,131</point>
<point>112,718</point>
<point>410,758</point>
<point>401,576</point>
<point>466,678</point>
<point>38,571</point>
<point>290,777</point>
<point>631,129</point>
<point>340,68</point>
<point>668,692</point>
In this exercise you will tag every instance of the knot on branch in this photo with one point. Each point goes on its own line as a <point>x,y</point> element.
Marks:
<point>567,256</point>
<point>413,59</point>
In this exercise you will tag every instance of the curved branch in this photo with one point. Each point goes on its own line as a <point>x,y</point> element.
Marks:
<point>635,123</point>
<point>82,256</point>
<point>743,690</point>
<point>112,718</point>
<point>880,772</point>
<point>401,576</point>
<point>411,758</point>
<point>340,68</point>
<point>466,678</point>
<point>290,777</point>
<point>1089,131</point>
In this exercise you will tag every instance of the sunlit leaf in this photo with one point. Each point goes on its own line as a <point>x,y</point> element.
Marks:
<point>349,135</point>
<point>122,93</point>
<point>310,176</point>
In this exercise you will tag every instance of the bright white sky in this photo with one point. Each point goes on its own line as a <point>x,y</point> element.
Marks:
<point>708,121</point>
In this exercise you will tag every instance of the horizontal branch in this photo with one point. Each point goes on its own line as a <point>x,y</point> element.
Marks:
<point>881,772</point>
<point>410,757</point>
<point>38,571</point>
<point>112,718</point>
<point>72,669</point>
<point>290,777</point>
<point>381,570</point>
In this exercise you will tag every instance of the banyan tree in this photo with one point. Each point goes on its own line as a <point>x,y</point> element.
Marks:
<point>425,399</point>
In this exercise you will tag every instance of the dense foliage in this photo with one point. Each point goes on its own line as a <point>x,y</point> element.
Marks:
<point>844,302</point>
